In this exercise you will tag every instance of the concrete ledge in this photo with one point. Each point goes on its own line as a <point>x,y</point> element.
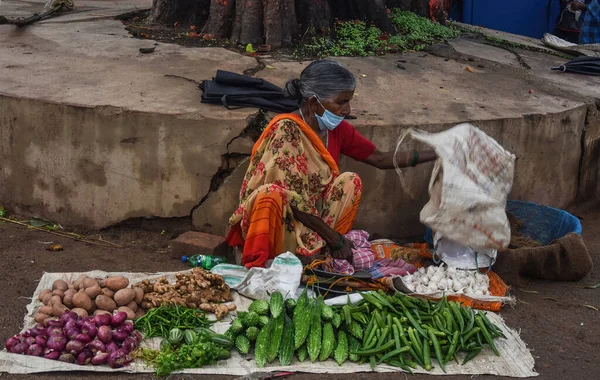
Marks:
<point>96,166</point>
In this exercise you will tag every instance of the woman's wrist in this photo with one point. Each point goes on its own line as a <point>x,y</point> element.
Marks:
<point>415,158</point>
<point>336,246</point>
<point>427,155</point>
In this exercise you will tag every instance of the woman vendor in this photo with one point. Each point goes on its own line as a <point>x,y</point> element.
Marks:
<point>293,197</point>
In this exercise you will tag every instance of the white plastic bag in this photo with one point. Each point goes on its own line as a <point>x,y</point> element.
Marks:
<point>468,200</point>
<point>283,275</point>
<point>460,256</point>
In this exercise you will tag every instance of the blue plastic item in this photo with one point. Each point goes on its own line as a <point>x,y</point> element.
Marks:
<point>530,18</point>
<point>541,223</point>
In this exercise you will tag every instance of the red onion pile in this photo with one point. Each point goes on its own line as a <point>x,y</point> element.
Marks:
<point>97,340</point>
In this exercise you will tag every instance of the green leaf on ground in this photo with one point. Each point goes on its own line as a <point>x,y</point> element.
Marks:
<point>3,212</point>
<point>43,223</point>
<point>250,49</point>
<point>40,222</point>
<point>593,286</point>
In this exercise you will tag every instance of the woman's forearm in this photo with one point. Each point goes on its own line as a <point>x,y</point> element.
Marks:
<point>415,157</point>
<point>327,233</point>
<point>385,160</point>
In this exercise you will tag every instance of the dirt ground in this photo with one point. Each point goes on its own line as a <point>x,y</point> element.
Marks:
<point>562,333</point>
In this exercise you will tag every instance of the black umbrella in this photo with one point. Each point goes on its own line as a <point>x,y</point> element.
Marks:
<point>581,65</point>
<point>238,91</point>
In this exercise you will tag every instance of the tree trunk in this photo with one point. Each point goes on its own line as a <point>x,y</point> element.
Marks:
<point>220,18</point>
<point>374,11</point>
<point>248,24</point>
<point>280,22</point>
<point>420,7</point>
<point>314,16</point>
<point>277,22</point>
<point>186,12</point>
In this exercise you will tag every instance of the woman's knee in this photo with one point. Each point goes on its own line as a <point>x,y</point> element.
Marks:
<point>350,177</point>
<point>271,190</point>
<point>346,176</point>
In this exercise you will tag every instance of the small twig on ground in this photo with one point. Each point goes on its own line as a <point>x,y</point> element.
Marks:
<point>180,77</point>
<point>551,299</point>
<point>528,291</point>
<point>69,235</point>
<point>303,35</point>
<point>108,242</point>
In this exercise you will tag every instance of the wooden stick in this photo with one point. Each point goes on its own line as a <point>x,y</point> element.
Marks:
<point>108,242</point>
<point>102,243</point>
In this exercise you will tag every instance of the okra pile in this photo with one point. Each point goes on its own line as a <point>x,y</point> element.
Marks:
<point>398,330</point>
<point>405,331</point>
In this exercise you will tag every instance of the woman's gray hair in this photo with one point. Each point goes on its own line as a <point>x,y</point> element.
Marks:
<point>324,78</point>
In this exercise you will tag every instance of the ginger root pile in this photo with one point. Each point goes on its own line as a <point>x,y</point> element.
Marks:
<point>199,289</point>
<point>219,310</point>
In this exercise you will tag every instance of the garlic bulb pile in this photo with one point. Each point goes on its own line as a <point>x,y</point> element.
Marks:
<point>447,279</point>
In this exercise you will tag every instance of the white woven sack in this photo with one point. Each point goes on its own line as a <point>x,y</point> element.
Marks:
<point>467,203</point>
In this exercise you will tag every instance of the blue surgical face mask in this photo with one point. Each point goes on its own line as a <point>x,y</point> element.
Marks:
<point>329,120</point>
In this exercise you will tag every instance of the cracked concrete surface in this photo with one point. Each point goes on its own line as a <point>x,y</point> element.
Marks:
<point>92,132</point>
<point>212,213</point>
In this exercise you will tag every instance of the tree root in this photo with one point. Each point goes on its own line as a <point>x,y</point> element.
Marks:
<point>57,9</point>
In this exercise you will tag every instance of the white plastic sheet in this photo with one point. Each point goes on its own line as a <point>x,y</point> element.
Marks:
<point>515,360</point>
<point>283,275</point>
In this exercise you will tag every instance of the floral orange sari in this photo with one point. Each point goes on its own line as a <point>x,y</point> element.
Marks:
<point>290,165</point>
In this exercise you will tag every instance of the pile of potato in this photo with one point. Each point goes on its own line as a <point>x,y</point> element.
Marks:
<point>88,295</point>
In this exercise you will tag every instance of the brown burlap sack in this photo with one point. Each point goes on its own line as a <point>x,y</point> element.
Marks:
<point>565,259</point>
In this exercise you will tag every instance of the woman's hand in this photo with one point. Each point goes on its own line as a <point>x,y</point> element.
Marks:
<point>344,253</point>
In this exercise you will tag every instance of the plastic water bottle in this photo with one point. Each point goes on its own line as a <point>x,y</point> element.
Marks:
<point>204,261</point>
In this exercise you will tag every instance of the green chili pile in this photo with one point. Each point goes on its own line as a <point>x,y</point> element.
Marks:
<point>404,331</point>
<point>159,321</point>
